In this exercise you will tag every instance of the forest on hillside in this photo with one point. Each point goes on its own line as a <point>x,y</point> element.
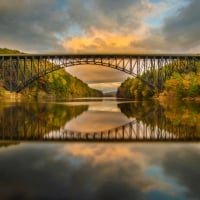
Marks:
<point>179,84</point>
<point>59,85</point>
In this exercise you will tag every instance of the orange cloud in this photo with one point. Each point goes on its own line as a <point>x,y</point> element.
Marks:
<point>101,41</point>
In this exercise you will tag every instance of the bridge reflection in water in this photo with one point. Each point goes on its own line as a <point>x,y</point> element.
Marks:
<point>133,131</point>
<point>20,123</point>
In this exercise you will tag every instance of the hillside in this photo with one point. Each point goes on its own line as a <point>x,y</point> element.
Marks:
<point>9,51</point>
<point>110,94</point>
<point>178,84</point>
<point>133,88</point>
<point>57,85</point>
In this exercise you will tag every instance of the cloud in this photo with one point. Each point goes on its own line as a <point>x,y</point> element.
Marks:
<point>109,26</point>
<point>101,41</point>
<point>182,30</point>
<point>31,25</point>
<point>178,33</point>
<point>50,25</point>
<point>107,15</point>
<point>100,25</point>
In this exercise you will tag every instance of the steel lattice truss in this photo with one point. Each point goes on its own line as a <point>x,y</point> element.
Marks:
<point>18,71</point>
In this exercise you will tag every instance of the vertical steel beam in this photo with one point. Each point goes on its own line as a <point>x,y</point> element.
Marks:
<point>25,66</point>
<point>17,69</point>
<point>3,69</point>
<point>11,75</point>
<point>138,66</point>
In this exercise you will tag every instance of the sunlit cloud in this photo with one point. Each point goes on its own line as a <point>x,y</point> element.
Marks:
<point>100,41</point>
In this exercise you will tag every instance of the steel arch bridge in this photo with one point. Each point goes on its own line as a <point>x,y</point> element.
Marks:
<point>18,71</point>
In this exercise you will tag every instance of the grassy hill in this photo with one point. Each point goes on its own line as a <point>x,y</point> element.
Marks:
<point>57,85</point>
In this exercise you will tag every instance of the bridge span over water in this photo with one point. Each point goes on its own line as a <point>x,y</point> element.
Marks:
<point>19,70</point>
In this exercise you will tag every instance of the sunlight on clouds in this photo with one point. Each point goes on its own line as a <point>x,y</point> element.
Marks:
<point>101,41</point>
<point>140,167</point>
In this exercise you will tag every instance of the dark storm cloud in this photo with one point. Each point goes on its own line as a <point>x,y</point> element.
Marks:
<point>183,165</point>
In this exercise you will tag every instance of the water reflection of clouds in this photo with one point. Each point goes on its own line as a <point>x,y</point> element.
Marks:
<point>104,107</point>
<point>184,166</point>
<point>110,106</point>
<point>92,121</point>
<point>99,171</point>
<point>101,115</point>
<point>135,164</point>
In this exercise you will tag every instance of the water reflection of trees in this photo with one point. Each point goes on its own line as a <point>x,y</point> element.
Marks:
<point>33,120</point>
<point>152,122</point>
<point>179,118</point>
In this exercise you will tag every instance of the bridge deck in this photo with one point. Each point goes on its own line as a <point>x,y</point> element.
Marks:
<point>106,55</point>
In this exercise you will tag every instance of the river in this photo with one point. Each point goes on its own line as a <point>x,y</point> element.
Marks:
<point>100,149</point>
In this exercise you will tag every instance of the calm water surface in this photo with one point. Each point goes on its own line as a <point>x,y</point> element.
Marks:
<point>32,166</point>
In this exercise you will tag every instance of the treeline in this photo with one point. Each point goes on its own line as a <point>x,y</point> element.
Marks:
<point>180,83</point>
<point>183,85</point>
<point>59,84</point>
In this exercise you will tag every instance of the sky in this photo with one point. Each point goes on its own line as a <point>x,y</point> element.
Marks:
<point>100,26</point>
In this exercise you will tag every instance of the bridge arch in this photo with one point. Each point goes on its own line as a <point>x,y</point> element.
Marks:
<point>67,65</point>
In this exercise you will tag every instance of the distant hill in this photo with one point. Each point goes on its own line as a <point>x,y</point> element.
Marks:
<point>9,51</point>
<point>58,85</point>
<point>110,94</point>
